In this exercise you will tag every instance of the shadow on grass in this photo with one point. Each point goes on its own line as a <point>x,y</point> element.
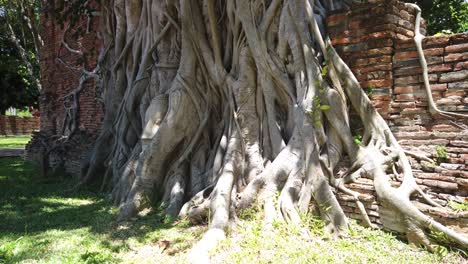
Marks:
<point>29,205</point>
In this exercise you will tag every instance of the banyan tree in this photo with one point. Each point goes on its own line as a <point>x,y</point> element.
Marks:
<point>213,106</point>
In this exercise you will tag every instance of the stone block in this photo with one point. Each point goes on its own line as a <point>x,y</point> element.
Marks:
<point>451,100</point>
<point>457,48</point>
<point>456,57</point>
<point>460,65</point>
<point>440,184</point>
<point>454,76</point>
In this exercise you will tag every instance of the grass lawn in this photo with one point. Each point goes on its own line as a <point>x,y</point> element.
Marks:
<point>42,222</point>
<point>14,141</point>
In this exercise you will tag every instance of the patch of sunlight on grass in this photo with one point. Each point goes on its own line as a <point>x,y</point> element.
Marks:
<point>14,142</point>
<point>67,201</point>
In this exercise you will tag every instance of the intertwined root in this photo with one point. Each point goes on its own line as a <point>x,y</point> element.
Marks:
<point>247,105</point>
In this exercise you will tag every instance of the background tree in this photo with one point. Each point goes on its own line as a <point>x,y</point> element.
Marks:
<point>444,16</point>
<point>215,106</point>
<point>19,47</point>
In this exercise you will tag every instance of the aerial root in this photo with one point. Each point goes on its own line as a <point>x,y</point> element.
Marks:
<point>418,37</point>
<point>366,220</point>
<point>416,235</point>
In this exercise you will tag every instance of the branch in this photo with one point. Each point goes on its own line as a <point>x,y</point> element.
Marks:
<point>23,54</point>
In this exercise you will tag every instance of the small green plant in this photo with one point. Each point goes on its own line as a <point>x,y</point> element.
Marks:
<point>358,139</point>
<point>445,32</point>
<point>248,213</point>
<point>370,89</point>
<point>6,253</point>
<point>324,70</point>
<point>93,257</point>
<point>441,153</point>
<point>458,207</point>
<point>316,111</point>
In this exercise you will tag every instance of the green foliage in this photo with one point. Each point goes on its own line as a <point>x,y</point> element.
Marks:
<point>370,89</point>
<point>445,246</point>
<point>357,139</point>
<point>324,70</point>
<point>8,251</point>
<point>71,12</point>
<point>20,112</point>
<point>315,113</point>
<point>94,257</point>
<point>444,16</point>
<point>17,86</point>
<point>459,207</point>
<point>248,213</point>
<point>441,153</point>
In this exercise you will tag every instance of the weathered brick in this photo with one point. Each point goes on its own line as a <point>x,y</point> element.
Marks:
<point>439,68</point>
<point>404,44</point>
<point>454,76</point>
<point>451,100</point>
<point>405,55</point>
<point>436,41</point>
<point>457,48</point>
<point>460,66</point>
<point>413,79</point>
<point>435,176</point>
<point>439,87</point>
<point>458,86</point>
<point>405,97</point>
<point>406,89</point>
<point>457,93</point>
<point>411,70</point>
<point>441,184</point>
<point>462,182</point>
<point>456,57</point>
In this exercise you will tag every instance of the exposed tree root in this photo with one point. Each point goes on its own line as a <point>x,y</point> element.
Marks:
<point>215,106</point>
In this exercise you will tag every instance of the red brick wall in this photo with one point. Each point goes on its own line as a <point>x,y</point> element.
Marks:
<point>59,80</point>
<point>14,125</point>
<point>376,41</point>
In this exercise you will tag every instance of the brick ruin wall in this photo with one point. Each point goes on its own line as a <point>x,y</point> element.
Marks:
<point>60,76</point>
<point>16,125</point>
<point>376,40</point>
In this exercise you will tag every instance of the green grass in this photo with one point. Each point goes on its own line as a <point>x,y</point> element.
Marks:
<point>286,243</point>
<point>14,142</point>
<point>42,222</point>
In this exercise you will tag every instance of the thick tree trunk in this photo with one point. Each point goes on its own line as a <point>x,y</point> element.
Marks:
<point>212,106</point>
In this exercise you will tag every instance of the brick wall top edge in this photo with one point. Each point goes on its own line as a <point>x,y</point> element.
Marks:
<point>441,40</point>
<point>360,10</point>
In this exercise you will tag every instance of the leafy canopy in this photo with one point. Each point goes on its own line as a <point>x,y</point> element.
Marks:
<point>443,16</point>
<point>18,20</point>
